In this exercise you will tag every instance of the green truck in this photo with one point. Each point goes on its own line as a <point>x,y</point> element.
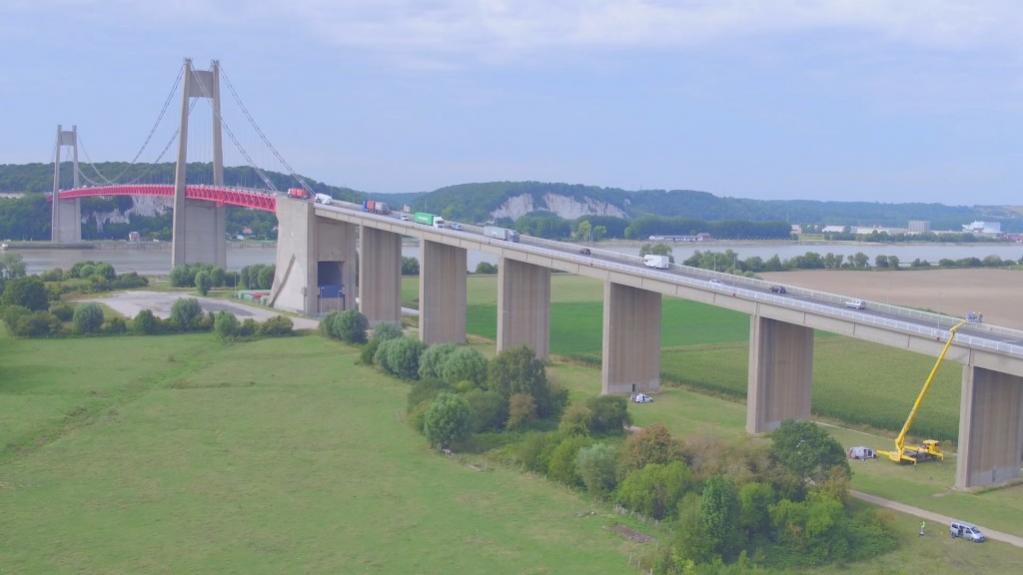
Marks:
<point>428,219</point>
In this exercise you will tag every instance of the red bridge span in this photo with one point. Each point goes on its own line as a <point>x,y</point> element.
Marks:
<point>223,195</point>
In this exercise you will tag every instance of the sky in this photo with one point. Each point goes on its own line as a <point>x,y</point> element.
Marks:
<point>877,100</point>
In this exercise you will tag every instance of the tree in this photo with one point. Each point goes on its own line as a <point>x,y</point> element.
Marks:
<point>218,277</point>
<point>464,364</point>
<point>610,414</point>
<point>277,326</point>
<point>576,421</point>
<point>881,261</point>
<point>893,262</point>
<point>597,468</point>
<point>203,283</point>
<point>561,467</point>
<point>755,499</point>
<point>860,261</point>
<point>226,325</point>
<point>266,277</point>
<point>655,490</point>
<point>808,451</point>
<point>518,371</point>
<point>28,292</point>
<point>447,420</point>
<point>521,411</point>
<point>719,510</point>
<point>486,268</point>
<point>350,326</point>
<point>185,313</point>
<point>660,249</point>
<point>489,410</point>
<point>12,266</point>
<point>653,444</point>
<point>88,319</point>
<point>432,360</point>
<point>599,233</point>
<point>583,231</point>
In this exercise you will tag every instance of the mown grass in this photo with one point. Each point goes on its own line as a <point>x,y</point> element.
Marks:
<point>276,456</point>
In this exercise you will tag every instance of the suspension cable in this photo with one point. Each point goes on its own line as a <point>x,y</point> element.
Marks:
<point>259,131</point>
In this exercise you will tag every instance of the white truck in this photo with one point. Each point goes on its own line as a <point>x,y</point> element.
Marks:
<point>501,233</point>
<point>657,261</point>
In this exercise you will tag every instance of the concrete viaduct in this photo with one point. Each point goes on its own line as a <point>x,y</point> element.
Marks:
<point>318,245</point>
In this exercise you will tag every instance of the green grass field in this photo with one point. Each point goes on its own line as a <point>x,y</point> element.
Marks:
<point>178,454</point>
<point>707,347</point>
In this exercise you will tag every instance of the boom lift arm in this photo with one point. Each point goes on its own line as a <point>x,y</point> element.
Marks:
<point>930,447</point>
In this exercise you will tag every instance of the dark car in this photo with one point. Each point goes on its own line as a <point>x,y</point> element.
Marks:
<point>584,251</point>
<point>778,289</point>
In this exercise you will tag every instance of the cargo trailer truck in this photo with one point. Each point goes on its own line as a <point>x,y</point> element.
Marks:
<point>501,233</point>
<point>657,261</point>
<point>428,219</point>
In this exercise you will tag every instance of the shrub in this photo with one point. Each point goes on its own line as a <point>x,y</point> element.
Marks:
<point>63,311</point>
<point>350,326</point>
<point>535,451</point>
<point>402,357</point>
<point>217,277</point>
<point>409,266</point>
<point>226,325</point>
<point>265,278</point>
<point>326,326</point>
<point>27,292</point>
<point>424,391</point>
<point>755,500</point>
<point>88,318</point>
<point>186,313</point>
<point>203,283</point>
<point>518,371</point>
<point>369,351</point>
<point>610,414</point>
<point>382,354</point>
<point>105,271</point>
<point>248,328</point>
<point>433,359</point>
<point>182,276</point>
<point>719,514</point>
<point>521,411</point>
<point>489,410</point>
<point>11,315</point>
<point>576,421</point>
<point>808,451</point>
<point>277,326</point>
<point>447,420</point>
<point>465,364</point>
<point>145,323</point>
<point>417,416</point>
<point>129,281</point>
<point>37,324</point>
<point>54,275</point>
<point>597,466</point>
<point>116,326</point>
<point>385,331</point>
<point>486,268</point>
<point>655,490</point>
<point>653,444</point>
<point>561,467</point>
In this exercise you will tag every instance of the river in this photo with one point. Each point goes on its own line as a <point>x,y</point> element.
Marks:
<point>154,258</point>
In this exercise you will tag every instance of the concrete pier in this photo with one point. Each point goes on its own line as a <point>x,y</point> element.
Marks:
<point>313,256</point>
<point>199,236</point>
<point>631,359</point>
<point>523,306</point>
<point>380,276</point>
<point>780,374</point>
<point>68,228</point>
<point>442,272</point>
<point>990,428</point>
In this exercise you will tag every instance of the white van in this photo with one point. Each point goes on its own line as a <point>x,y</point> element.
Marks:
<point>861,453</point>
<point>657,261</point>
<point>966,531</point>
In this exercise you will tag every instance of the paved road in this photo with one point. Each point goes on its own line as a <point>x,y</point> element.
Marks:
<point>943,520</point>
<point>130,303</point>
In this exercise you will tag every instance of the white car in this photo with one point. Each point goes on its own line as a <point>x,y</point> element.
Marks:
<point>455,226</point>
<point>642,398</point>
<point>856,304</point>
<point>404,217</point>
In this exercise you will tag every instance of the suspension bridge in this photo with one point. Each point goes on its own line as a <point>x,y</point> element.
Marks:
<point>198,208</point>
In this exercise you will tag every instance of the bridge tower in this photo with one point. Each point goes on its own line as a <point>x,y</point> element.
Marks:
<point>199,227</point>
<point>65,215</point>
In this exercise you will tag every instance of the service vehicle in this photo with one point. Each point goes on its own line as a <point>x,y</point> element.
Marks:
<point>966,531</point>
<point>298,193</point>
<point>657,261</point>
<point>642,398</point>
<point>376,207</point>
<point>860,452</point>
<point>929,448</point>
<point>855,304</point>
<point>428,219</point>
<point>501,233</point>
<point>323,199</point>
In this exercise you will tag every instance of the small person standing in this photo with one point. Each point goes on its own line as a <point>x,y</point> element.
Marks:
<point>923,527</point>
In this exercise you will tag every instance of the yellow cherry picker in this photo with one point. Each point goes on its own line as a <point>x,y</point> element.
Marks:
<point>929,448</point>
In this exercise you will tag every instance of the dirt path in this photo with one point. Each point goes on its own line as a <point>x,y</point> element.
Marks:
<point>942,521</point>
<point>992,292</point>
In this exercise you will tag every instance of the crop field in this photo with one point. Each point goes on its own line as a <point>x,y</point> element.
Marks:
<point>707,347</point>
<point>177,454</point>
